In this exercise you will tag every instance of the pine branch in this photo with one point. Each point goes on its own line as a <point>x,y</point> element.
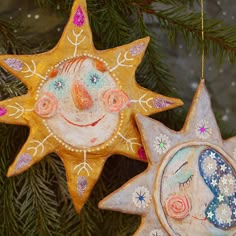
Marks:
<point>166,2</point>
<point>69,219</point>
<point>10,86</point>
<point>126,24</point>
<point>9,205</point>
<point>55,5</point>
<point>117,171</point>
<point>117,29</point>
<point>38,208</point>
<point>9,40</point>
<point>220,39</point>
<point>153,73</point>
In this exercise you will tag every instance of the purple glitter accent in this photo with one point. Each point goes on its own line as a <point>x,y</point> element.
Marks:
<point>161,103</point>
<point>24,160</point>
<point>202,129</point>
<point>82,185</point>
<point>135,50</point>
<point>3,111</point>
<point>142,154</point>
<point>79,18</point>
<point>15,64</point>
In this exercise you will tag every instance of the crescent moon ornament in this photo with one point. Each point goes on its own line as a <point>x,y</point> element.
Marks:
<point>190,178</point>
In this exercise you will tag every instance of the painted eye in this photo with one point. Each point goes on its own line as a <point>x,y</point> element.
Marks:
<point>59,84</point>
<point>94,81</point>
<point>94,78</point>
<point>187,181</point>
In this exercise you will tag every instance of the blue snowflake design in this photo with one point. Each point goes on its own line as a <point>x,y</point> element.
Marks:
<point>58,87</point>
<point>59,84</point>
<point>141,197</point>
<point>222,210</point>
<point>94,80</point>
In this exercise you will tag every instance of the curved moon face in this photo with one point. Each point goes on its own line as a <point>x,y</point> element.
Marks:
<point>81,103</point>
<point>197,193</point>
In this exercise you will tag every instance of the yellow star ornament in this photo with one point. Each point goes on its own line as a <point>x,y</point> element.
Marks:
<point>80,104</point>
<point>189,187</point>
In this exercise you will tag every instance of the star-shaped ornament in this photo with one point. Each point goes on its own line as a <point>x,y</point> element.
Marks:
<point>80,104</point>
<point>181,196</point>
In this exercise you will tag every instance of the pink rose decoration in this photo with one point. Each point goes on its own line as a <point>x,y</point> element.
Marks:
<point>46,106</point>
<point>115,100</point>
<point>178,207</point>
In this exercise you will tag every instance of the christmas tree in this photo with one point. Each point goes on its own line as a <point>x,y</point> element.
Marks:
<point>37,202</point>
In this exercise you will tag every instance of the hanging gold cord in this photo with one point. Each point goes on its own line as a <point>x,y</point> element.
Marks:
<point>203,38</point>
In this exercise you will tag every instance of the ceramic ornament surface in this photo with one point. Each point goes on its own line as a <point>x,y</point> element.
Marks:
<point>189,187</point>
<point>80,104</point>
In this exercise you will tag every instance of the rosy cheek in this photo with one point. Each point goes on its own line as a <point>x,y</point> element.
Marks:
<point>115,100</point>
<point>178,207</point>
<point>46,106</point>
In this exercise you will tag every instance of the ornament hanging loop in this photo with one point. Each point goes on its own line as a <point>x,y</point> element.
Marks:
<point>203,40</point>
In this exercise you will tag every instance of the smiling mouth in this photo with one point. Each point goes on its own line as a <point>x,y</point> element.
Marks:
<point>197,218</point>
<point>85,125</point>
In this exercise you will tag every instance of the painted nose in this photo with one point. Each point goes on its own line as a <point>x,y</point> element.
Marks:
<point>81,97</point>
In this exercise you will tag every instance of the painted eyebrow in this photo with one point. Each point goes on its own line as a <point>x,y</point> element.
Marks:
<point>185,163</point>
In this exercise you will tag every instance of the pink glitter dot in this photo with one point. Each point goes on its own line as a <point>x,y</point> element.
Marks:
<point>3,111</point>
<point>142,154</point>
<point>79,18</point>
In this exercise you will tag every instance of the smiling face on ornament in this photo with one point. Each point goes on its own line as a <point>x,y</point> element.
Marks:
<point>81,103</point>
<point>192,193</point>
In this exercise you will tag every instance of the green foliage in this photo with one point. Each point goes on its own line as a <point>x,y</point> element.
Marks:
<point>220,40</point>
<point>37,202</point>
<point>52,4</point>
<point>9,43</point>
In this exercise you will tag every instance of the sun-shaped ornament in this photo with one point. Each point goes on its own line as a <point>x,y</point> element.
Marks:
<point>189,187</point>
<point>80,104</point>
